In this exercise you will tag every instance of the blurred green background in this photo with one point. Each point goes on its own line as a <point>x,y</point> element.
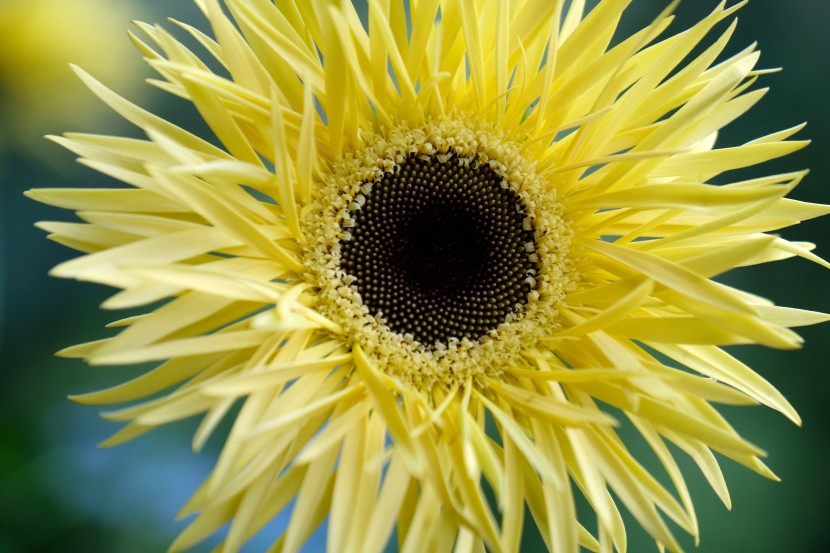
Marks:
<point>59,493</point>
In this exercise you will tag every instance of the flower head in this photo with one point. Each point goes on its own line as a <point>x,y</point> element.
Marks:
<point>427,255</point>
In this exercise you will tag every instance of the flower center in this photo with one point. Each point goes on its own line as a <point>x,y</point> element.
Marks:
<point>440,248</point>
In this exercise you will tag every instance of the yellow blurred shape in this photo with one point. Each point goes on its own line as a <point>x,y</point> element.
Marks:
<point>39,93</point>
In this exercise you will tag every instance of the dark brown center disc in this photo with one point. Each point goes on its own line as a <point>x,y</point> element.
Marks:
<point>440,250</point>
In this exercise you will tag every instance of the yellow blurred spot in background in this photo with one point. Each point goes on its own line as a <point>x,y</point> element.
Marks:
<point>39,93</point>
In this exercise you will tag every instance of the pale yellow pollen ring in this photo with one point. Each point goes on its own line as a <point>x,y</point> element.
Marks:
<point>440,250</point>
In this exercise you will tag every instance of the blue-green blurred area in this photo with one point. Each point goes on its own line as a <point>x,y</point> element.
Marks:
<point>59,493</point>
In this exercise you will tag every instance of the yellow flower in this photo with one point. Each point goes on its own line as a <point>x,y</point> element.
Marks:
<point>38,39</point>
<point>428,256</point>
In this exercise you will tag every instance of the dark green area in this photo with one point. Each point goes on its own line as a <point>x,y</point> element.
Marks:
<point>58,493</point>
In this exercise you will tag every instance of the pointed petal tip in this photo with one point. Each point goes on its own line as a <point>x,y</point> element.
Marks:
<point>59,271</point>
<point>764,470</point>
<point>81,399</point>
<point>793,416</point>
<point>79,71</point>
<point>35,195</point>
<point>40,225</point>
<point>723,495</point>
<point>71,352</point>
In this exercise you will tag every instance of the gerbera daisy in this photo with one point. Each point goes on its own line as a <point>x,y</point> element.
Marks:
<point>434,257</point>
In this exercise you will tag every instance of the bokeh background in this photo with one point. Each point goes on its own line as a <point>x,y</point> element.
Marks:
<point>60,493</point>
